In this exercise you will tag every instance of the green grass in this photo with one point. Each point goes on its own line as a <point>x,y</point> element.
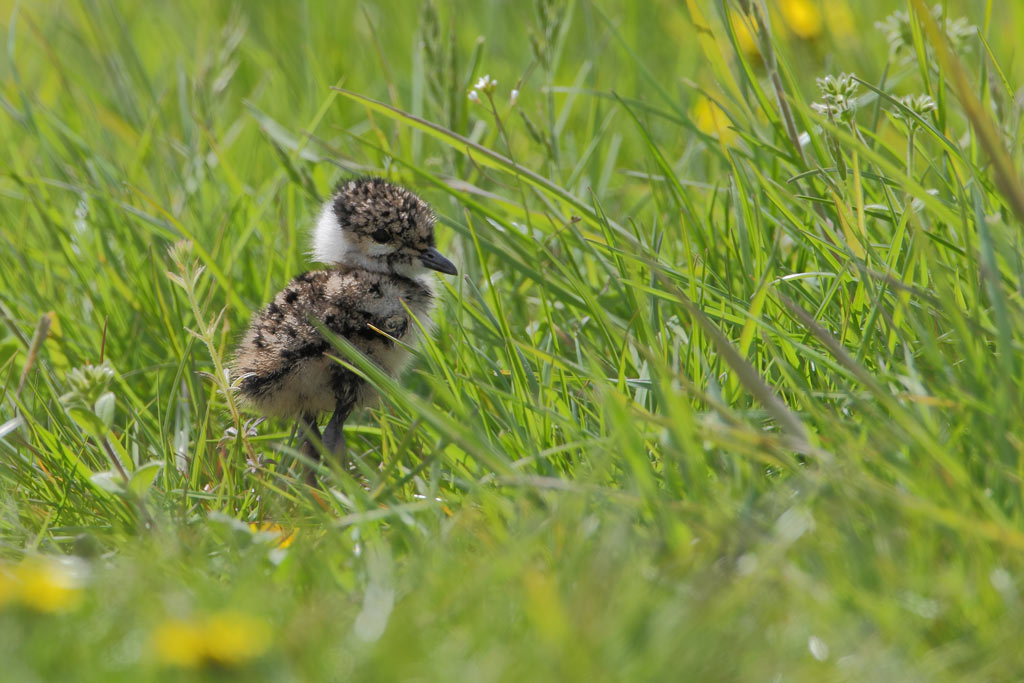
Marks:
<point>700,405</point>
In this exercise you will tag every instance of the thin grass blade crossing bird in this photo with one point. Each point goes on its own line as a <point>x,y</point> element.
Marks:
<point>378,238</point>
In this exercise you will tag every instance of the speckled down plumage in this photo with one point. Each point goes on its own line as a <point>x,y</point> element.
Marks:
<point>380,239</point>
<point>282,360</point>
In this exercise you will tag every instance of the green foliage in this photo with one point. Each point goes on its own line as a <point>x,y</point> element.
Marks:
<point>729,385</point>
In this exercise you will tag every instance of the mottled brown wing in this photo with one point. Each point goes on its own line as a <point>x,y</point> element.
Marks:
<point>283,337</point>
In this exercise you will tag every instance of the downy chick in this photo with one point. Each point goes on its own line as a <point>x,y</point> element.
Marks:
<point>379,239</point>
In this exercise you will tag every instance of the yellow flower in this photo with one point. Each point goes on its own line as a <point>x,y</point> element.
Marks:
<point>747,40</point>
<point>43,584</point>
<point>227,639</point>
<point>270,529</point>
<point>709,118</point>
<point>233,638</point>
<point>802,17</point>
<point>179,643</point>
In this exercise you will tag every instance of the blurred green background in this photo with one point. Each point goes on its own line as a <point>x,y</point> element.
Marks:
<point>712,398</point>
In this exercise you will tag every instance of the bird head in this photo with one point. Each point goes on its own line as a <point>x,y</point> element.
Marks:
<point>373,224</point>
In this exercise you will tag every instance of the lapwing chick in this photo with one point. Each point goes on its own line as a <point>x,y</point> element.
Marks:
<point>378,238</point>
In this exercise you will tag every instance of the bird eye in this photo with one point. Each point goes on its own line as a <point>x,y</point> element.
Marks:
<point>381,236</point>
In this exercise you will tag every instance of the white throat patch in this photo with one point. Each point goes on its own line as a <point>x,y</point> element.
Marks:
<point>329,244</point>
<point>332,245</point>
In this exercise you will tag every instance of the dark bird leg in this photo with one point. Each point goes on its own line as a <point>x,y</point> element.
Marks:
<point>310,436</point>
<point>334,434</point>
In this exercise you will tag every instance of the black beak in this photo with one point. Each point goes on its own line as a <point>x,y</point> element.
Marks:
<point>432,259</point>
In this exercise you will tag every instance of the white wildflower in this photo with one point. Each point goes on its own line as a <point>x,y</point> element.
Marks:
<point>486,84</point>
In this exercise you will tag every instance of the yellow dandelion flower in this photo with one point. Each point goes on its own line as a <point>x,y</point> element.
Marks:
<point>47,585</point>
<point>709,118</point>
<point>285,537</point>
<point>802,17</point>
<point>233,638</point>
<point>227,639</point>
<point>746,39</point>
<point>179,643</point>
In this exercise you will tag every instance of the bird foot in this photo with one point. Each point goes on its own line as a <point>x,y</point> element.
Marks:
<point>309,445</point>
<point>334,440</point>
<point>331,443</point>
<point>309,435</point>
<point>308,449</point>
